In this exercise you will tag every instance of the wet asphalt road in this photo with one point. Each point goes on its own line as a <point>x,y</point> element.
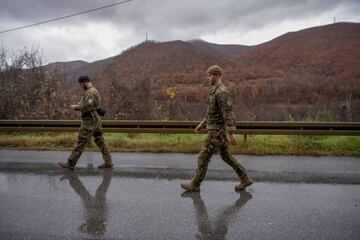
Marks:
<point>97,204</point>
<point>182,166</point>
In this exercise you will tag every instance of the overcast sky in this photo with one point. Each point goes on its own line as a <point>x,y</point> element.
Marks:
<point>107,32</point>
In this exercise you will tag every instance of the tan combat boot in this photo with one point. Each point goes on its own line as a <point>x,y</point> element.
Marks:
<point>190,187</point>
<point>65,164</point>
<point>106,164</point>
<point>245,182</point>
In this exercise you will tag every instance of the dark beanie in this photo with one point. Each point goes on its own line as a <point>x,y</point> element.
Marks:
<point>83,79</point>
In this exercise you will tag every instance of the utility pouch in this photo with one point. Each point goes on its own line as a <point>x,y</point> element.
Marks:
<point>101,111</point>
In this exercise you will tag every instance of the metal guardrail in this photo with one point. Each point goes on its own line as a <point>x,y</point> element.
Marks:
<point>243,127</point>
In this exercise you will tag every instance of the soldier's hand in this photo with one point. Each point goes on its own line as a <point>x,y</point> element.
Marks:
<point>232,139</point>
<point>73,107</point>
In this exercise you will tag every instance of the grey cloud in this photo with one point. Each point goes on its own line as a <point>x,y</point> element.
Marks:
<point>165,13</point>
<point>37,10</point>
<point>169,19</point>
<point>162,19</point>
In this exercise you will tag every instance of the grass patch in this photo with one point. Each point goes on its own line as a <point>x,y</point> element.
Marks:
<point>186,143</point>
<point>190,143</point>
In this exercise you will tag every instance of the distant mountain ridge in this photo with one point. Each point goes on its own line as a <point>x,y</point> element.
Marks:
<point>227,50</point>
<point>290,45</point>
<point>298,74</point>
<point>79,67</point>
<point>70,66</point>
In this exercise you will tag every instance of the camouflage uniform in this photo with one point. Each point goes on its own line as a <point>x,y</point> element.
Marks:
<point>219,122</point>
<point>90,127</point>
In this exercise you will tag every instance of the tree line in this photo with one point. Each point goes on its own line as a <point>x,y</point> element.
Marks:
<point>30,90</point>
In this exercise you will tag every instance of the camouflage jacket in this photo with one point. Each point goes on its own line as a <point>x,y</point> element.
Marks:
<point>220,113</point>
<point>89,102</point>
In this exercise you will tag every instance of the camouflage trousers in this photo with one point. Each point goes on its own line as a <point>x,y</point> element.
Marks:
<point>216,141</point>
<point>89,129</point>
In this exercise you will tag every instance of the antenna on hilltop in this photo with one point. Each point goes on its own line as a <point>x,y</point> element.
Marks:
<point>334,19</point>
<point>146,37</point>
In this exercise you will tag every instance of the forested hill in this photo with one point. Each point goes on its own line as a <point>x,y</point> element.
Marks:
<point>312,74</point>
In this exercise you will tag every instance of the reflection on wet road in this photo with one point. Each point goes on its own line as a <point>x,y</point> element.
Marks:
<point>95,206</point>
<point>106,206</point>
<point>219,229</point>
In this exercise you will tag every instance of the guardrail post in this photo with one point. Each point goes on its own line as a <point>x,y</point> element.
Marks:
<point>245,140</point>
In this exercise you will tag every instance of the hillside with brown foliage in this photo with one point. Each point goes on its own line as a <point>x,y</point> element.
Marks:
<point>312,74</point>
<point>139,78</point>
<point>327,51</point>
<point>321,68</point>
<point>297,75</point>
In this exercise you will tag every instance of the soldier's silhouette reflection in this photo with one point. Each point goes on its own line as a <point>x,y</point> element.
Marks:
<point>221,225</point>
<point>95,206</point>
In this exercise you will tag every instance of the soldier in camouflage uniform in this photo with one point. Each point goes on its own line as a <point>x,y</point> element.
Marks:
<point>90,126</point>
<point>220,124</point>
